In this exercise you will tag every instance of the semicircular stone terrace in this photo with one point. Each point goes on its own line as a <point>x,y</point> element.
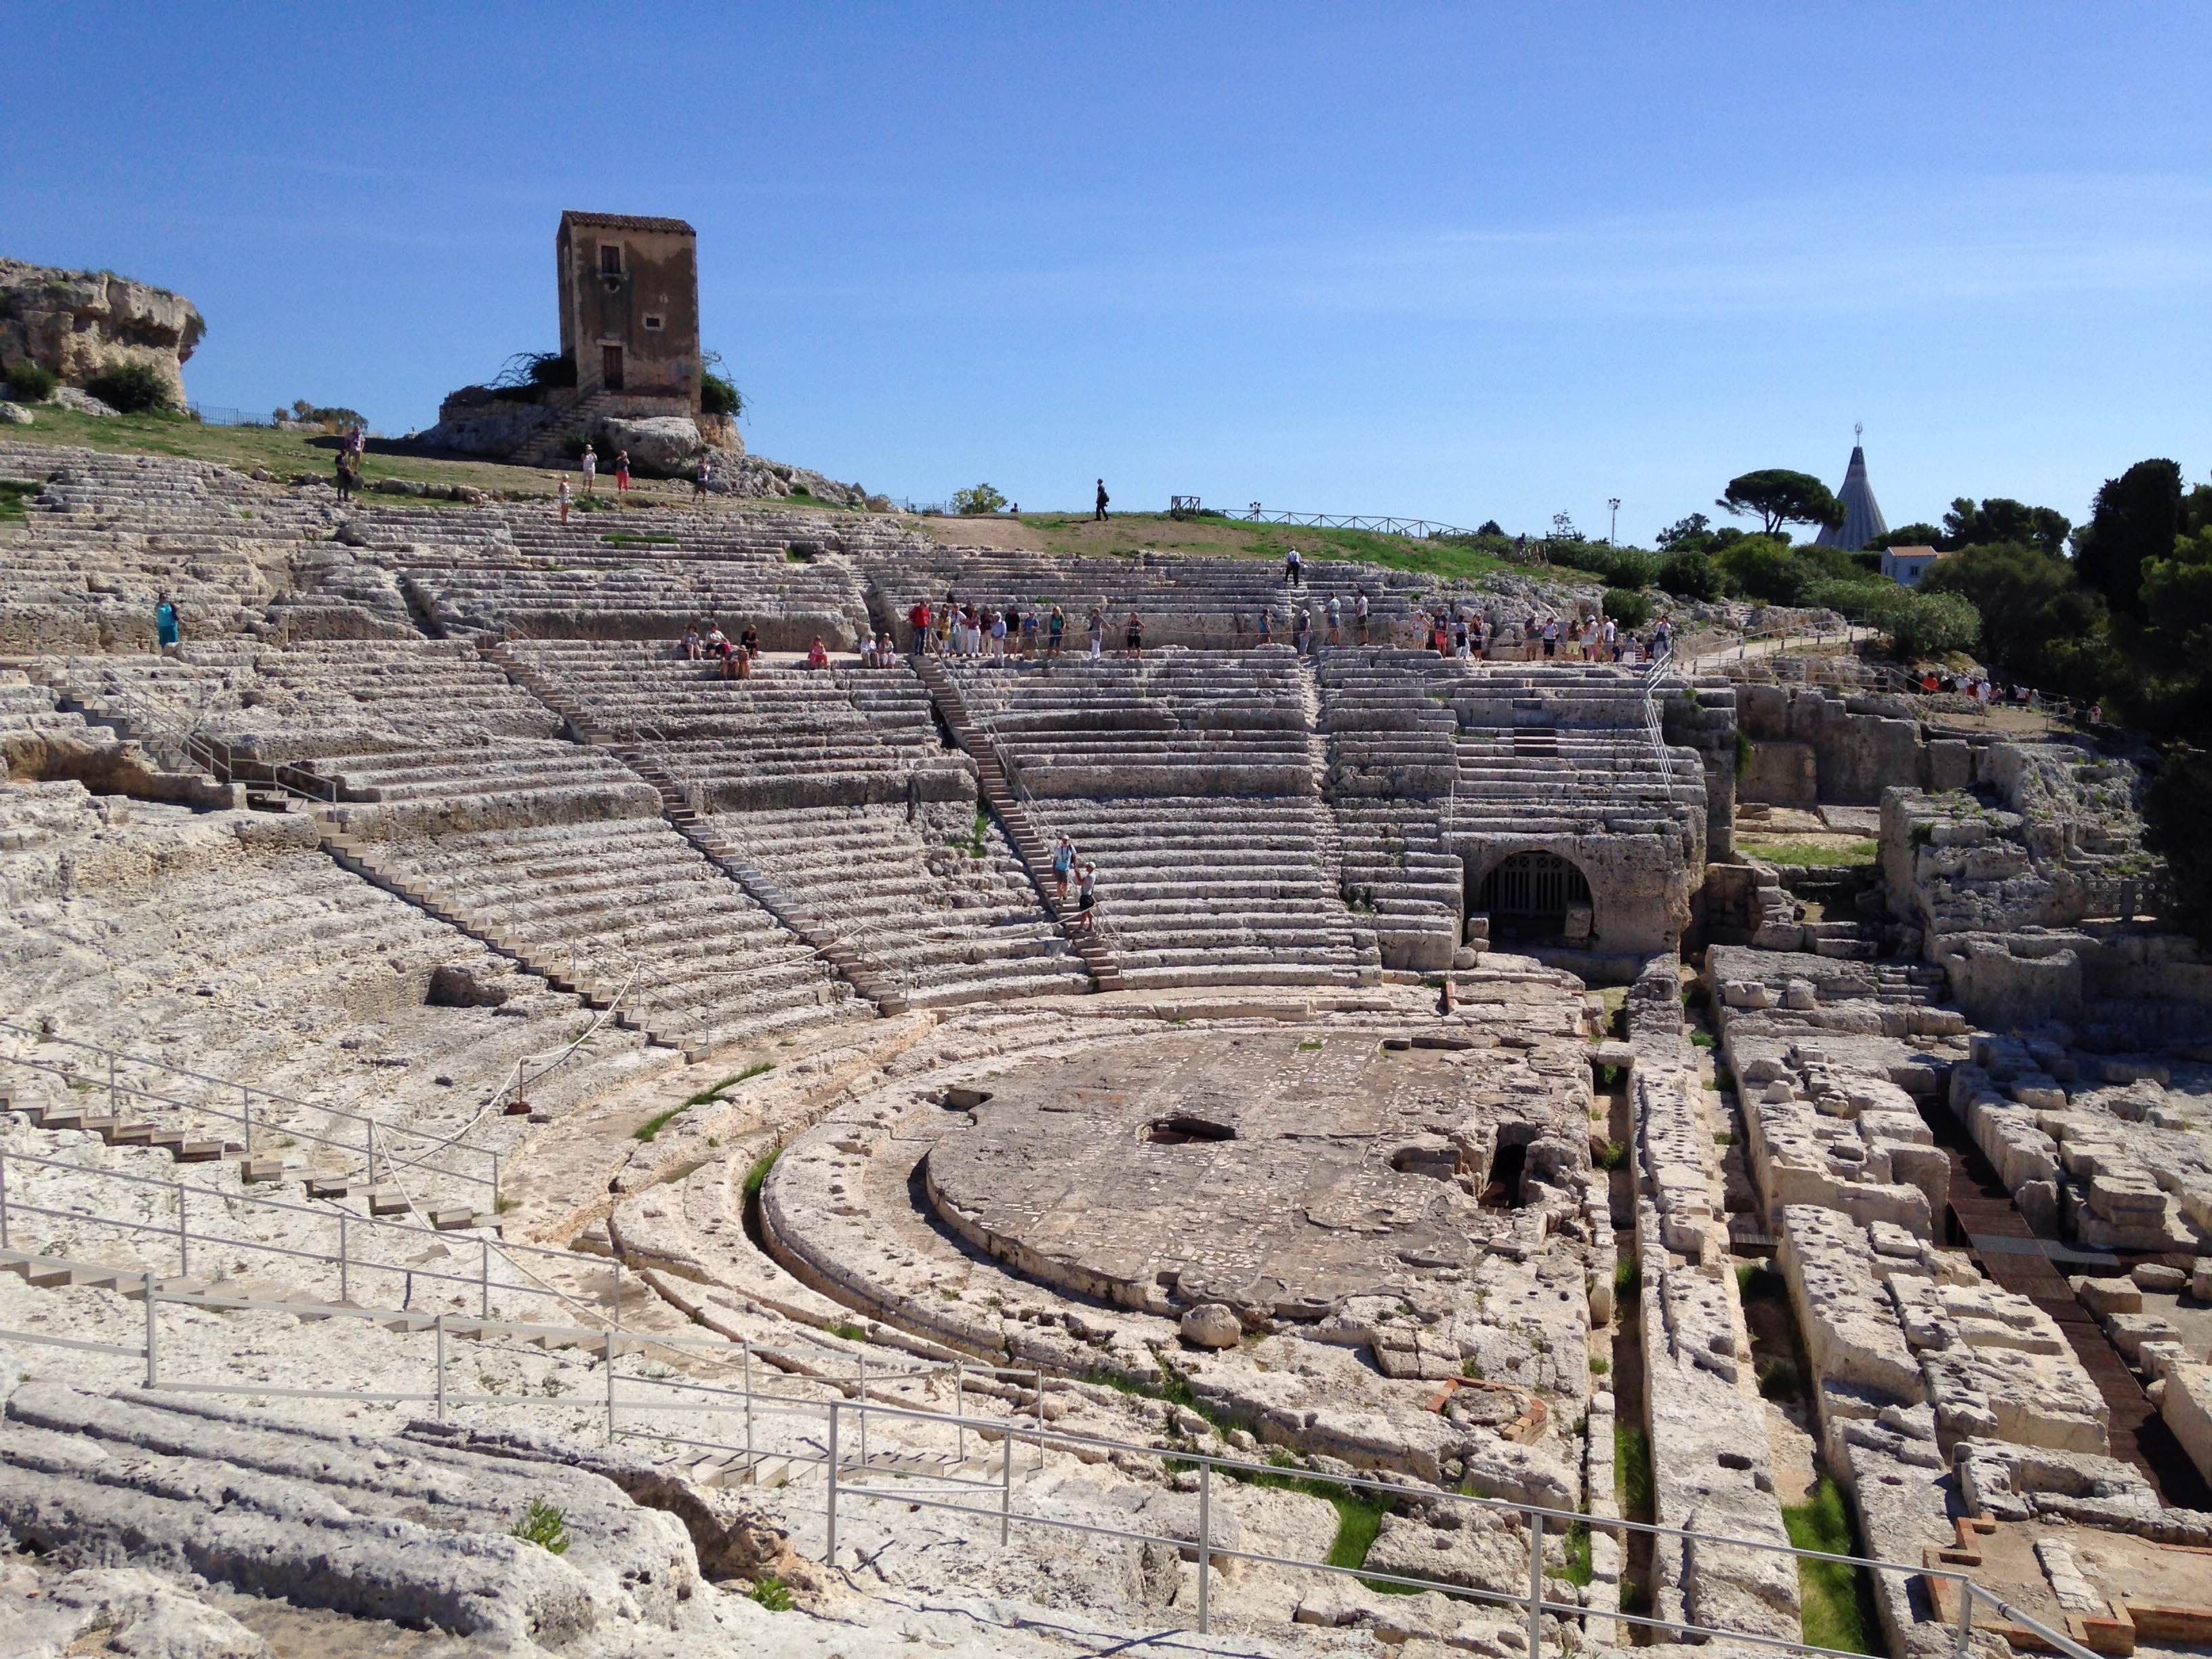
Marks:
<point>1279,1173</point>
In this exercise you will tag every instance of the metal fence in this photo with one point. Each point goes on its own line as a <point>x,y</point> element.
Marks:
<point>852,1473</point>
<point>217,415</point>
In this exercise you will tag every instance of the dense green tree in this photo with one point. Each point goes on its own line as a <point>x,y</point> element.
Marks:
<point>2038,620</point>
<point>1689,575</point>
<point>2135,520</point>
<point>2176,808</point>
<point>1776,496</point>
<point>1689,529</point>
<point>1911,535</point>
<point>1763,568</point>
<point>2000,519</point>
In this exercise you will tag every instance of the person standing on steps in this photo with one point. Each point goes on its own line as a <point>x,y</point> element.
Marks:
<point>167,629</point>
<point>1293,570</point>
<point>1063,864</point>
<point>1086,885</point>
<point>1360,613</point>
<point>1098,513</point>
<point>1134,637</point>
<point>622,472</point>
<point>1097,631</point>
<point>699,479</point>
<point>564,498</point>
<point>1335,619</point>
<point>1059,628</point>
<point>591,465</point>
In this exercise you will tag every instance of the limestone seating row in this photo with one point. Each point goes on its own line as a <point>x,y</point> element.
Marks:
<point>912,897</point>
<point>646,599</point>
<point>592,901</point>
<point>254,956</point>
<point>1197,891</point>
<point>1403,886</point>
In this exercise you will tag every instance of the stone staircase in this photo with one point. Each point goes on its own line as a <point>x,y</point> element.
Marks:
<point>1028,843</point>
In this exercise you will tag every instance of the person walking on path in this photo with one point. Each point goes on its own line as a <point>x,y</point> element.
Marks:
<point>1098,513</point>
<point>1293,571</point>
<point>167,629</point>
<point>591,464</point>
<point>622,472</point>
<point>1086,885</point>
<point>1063,864</point>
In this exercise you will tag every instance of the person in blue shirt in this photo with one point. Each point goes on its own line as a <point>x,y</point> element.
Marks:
<point>165,621</point>
<point>1063,860</point>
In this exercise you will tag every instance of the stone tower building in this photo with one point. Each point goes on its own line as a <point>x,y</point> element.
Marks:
<point>629,310</point>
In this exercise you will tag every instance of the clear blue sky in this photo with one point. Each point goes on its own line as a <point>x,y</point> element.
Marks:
<point>1461,261</point>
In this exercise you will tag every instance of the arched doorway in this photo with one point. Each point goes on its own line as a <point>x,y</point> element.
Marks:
<point>1526,897</point>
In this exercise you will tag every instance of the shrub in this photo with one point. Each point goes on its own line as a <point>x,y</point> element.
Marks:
<point>32,384</point>
<point>719,396</point>
<point>1929,624</point>
<point>132,388</point>
<point>772,1593</point>
<point>1621,567</point>
<point>1630,610</point>
<point>1690,576</point>
<point>978,501</point>
<point>542,1525</point>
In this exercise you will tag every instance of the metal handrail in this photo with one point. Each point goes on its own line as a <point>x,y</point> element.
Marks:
<point>372,1127</point>
<point>1012,1430</point>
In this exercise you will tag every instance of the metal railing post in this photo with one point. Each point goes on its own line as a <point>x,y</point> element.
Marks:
<point>246,1110</point>
<point>1965,1619</point>
<point>960,1410</point>
<point>749,1406</point>
<point>1006,1482</point>
<point>495,1160</point>
<point>184,1232</point>
<point>483,1276</point>
<point>1206,1544</point>
<point>618,1293</point>
<point>863,1397</point>
<point>1039,1378</point>
<point>1535,1583</point>
<point>830,1556</point>
<point>152,1327</point>
<point>371,1176</point>
<point>611,1387</point>
<point>440,1328</point>
<point>3,1197</point>
<point>346,1292</point>
<point>114,1110</point>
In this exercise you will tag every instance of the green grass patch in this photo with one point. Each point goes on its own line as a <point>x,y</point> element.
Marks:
<point>1837,1600</point>
<point>1725,1138</point>
<point>756,1177</point>
<point>1579,1572</point>
<point>660,1121</point>
<point>1600,1364</point>
<point>1631,1469</point>
<point>849,1331</point>
<point>640,538</point>
<point>1811,856</point>
<point>708,1097</point>
<point>1628,1278</point>
<point>14,498</point>
<point>772,1593</point>
<point>1702,1039</point>
<point>1612,1156</point>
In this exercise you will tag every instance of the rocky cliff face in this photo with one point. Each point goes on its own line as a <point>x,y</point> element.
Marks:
<point>76,323</point>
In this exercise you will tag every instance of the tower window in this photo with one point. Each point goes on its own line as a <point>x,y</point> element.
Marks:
<point>610,259</point>
<point>652,321</point>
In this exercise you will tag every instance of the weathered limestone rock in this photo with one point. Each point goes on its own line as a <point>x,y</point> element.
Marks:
<point>666,444</point>
<point>2186,1405</point>
<point>1212,1325</point>
<point>122,1610</point>
<point>76,323</point>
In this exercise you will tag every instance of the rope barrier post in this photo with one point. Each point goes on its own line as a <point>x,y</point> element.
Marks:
<point>831,1557</point>
<point>749,1407</point>
<point>153,1365</point>
<point>960,1409</point>
<point>370,1177</point>
<point>246,1110</point>
<point>495,1173</point>
<point>483,1276</point>
<point>112,1108</point>
<point>1006,1482</point>
<point>441,1327</point>
<point>3,1197</point>
<point>1206,1544</point>
<point>1965,1619</point>
<point>611,1387</point>
<point>618,1293</point>
<point>1535,1583</point>
<point>183,1233</point>
<point>863,1397</point>
<point>346,1292</point>
<point>1039,1376</point>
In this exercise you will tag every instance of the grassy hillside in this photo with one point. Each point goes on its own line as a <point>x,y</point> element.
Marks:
<point>1130,532</point>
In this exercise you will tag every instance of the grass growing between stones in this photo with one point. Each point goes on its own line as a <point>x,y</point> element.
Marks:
<point>708,1097</point>
<point>1631,1468</point>
<point>757,1177</point>
<point>1811,854</point>
<point>660,1121</point>
<point>542,1525</point>
<point>12,497</point>
<point>1579,1570</point>
<point>1837,1600</point>
<point>772,1593</point>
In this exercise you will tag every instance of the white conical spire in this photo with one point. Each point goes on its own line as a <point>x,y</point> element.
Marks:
<point>1863,520</point>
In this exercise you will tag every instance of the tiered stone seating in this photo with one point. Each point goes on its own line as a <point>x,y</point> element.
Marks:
<point>788,737</point>
<point>593,901</point>
<point>228,943</point>
<point>1182,601</point>
<point>914,896</point>
<point>1188,775</point>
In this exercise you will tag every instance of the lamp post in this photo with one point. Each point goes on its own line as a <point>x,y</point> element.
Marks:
<point>1613,524</point>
